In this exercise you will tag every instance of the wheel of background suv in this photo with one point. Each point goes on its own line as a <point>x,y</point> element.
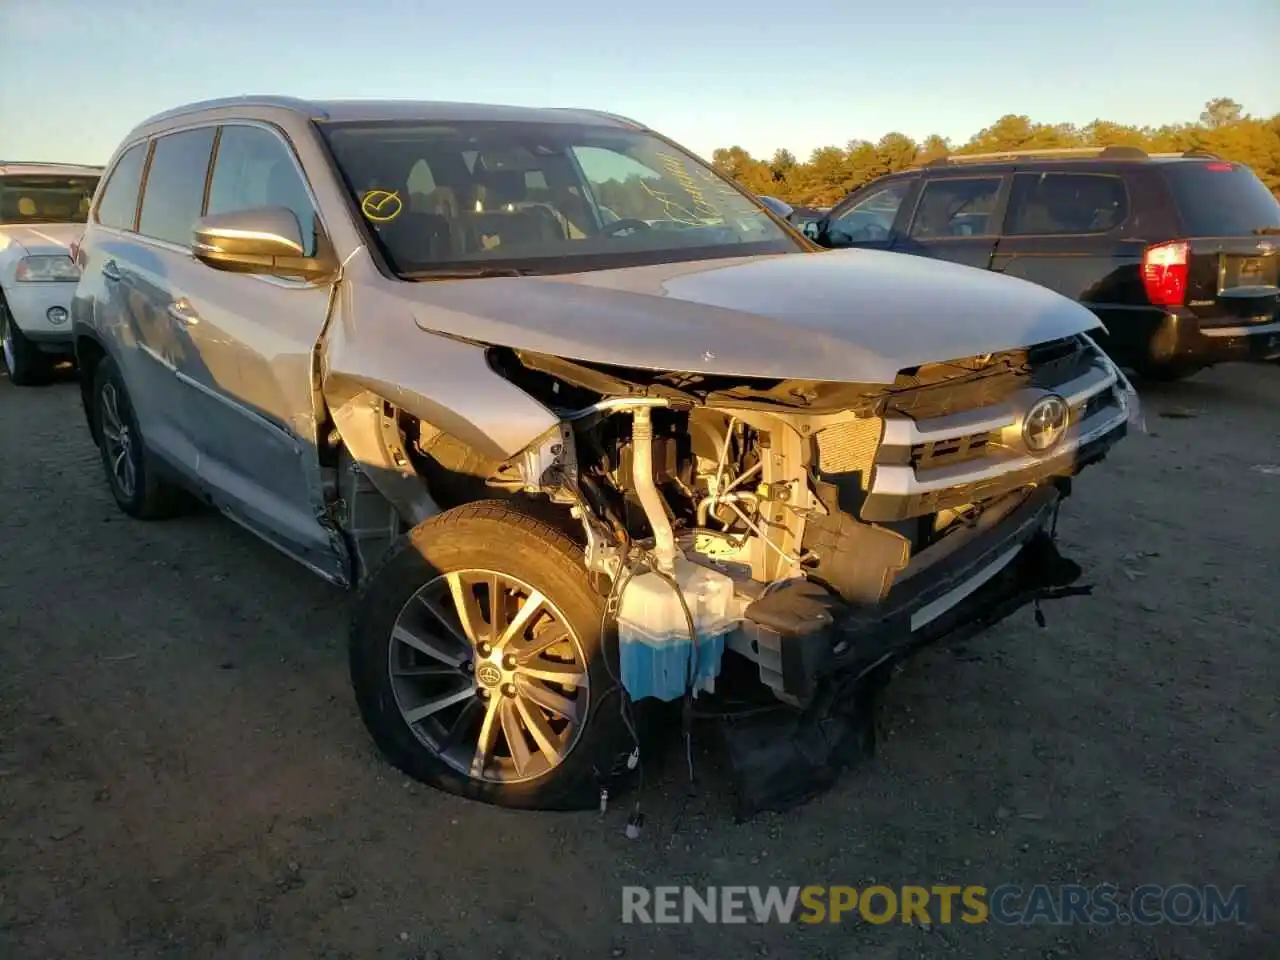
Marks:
<point>1165,372</point>
<point>26,364</point>
<point>477,662</point>
<point>137,489</point>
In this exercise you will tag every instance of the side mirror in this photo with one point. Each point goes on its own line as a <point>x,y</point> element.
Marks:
<point>814,231</point>
<point>267,240</point>
<point>779,207</point>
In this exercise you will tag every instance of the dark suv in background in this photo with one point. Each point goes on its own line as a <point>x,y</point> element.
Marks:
<point>1176,253</point>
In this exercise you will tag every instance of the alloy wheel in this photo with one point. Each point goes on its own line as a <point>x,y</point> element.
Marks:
<point>489,675</point>
<point>118,442</point>
<point>6,340</point>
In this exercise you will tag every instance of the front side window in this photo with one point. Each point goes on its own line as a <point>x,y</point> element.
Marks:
<point>1056,203</point>
<point>254,168</point>
<point>173,195</point>
<point>540,197</point>
<point>955,208</point>
<point>871,218</point>
<point>42,198</point>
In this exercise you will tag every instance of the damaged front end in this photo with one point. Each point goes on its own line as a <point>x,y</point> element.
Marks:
<point>814,533</point>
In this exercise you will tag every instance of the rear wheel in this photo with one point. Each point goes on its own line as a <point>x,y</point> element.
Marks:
<point>26,364</point>
<point>137,488</point>
<point>478,666</point>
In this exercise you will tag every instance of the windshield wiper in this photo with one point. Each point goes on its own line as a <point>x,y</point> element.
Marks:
<point>454,273</point>
<point>1266,230</point>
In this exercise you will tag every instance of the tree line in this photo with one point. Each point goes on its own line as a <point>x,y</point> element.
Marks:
<point>832,172</point>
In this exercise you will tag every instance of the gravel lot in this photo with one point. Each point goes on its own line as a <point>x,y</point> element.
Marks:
<point>183,774</point>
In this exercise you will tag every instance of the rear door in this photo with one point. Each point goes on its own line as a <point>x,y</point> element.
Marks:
<point>1232,222</point>
<point>956,218</point>
<point>1068,231</point>
<point>118,295</point>
<point>193,356</point>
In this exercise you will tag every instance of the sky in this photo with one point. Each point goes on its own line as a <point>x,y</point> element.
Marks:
<point>77,75</point>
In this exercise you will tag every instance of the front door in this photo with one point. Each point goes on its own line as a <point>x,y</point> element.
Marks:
<point>956,219</point>
<point>265,331</point>
<point>867,220</point>
<point>240,347</point>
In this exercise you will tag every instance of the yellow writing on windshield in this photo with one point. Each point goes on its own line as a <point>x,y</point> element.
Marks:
<point>381,206</point>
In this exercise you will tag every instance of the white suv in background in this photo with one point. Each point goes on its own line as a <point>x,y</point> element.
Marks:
<point>43,207</point>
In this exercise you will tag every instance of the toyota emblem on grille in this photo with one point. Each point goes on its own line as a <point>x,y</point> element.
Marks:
<point>1045,424</point>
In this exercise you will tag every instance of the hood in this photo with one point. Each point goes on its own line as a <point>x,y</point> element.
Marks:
<point>855,316</point>
<point>41,238</point>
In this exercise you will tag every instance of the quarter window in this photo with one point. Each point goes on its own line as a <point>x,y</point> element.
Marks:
<point>254,168</point>
<point>118,207</point>
<point>174,192</point>
<point>1048,203</point>
<point>956,208</point>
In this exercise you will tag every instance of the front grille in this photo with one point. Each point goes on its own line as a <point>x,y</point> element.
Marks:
<point>943,389</point>
<point>956,441</point>
<point>942,453</point>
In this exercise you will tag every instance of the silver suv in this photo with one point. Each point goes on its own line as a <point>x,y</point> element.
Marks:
<point>571,459</point>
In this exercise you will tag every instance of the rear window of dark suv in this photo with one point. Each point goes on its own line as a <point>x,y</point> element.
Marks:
<point>1220,199</point>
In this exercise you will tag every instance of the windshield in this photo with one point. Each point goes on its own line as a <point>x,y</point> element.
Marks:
<point>540,198</point>
<point>45,199</point>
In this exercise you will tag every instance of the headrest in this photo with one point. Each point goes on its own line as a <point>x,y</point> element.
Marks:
<point>503,186</point>
<point>27,207</point>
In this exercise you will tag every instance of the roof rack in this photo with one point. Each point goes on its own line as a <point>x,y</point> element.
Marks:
<point>626,121</point>
<point>50,163</point>
<point>295,104</point>
<point>1065,153</point>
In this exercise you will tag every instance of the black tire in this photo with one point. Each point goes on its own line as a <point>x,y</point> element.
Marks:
<point>27,364</point>
<point>151,498</point>
<point>1166,372</point>
<point>489,535</point>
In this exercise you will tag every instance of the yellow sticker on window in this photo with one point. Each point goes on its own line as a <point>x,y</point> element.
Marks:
<point>381,206</point>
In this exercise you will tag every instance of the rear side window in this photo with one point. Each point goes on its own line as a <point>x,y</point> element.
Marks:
<point>255,168</point>
<point>1048,203</point>
<point>174,193</point>
<point>1219,199</point>
<point>119,204</point>
<point>956,208</point>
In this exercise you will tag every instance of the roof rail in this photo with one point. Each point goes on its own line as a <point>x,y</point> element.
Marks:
<point>50,163</point>
<point>607,115</point>
<point>1066,153</point>
<point>296,104</point>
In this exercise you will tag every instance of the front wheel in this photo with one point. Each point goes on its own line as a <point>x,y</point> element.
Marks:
<point>478,666</point>
<point>27,365</point>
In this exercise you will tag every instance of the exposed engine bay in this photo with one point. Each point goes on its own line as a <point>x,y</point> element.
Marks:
<point>772,518</point>
<point>819,532</point>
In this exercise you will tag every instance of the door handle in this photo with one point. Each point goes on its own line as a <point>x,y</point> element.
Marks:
<point>183,312</point>
<point>110,271</point>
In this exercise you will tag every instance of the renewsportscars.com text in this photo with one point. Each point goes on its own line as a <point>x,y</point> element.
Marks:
<point>1007,905</point>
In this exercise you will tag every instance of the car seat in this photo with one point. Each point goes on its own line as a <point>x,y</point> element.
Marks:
<point>501,223</point>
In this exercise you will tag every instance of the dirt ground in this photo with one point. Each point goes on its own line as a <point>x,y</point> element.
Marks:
<point>183,773</point>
